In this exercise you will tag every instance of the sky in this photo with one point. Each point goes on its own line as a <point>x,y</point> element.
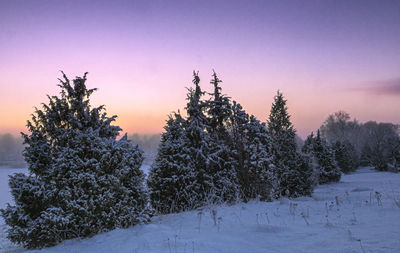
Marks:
<point>323,55</point>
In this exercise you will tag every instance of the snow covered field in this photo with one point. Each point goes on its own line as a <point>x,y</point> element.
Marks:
<point>359,214</point>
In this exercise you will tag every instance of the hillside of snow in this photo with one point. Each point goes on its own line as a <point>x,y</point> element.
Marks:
<point>361,213</point>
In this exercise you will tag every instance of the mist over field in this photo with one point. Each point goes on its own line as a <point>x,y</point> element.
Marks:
<point>11,148</point>
<point>148,143</point>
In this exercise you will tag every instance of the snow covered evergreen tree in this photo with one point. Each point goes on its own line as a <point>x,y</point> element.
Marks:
<point>251,153</point>
<point>221,166</point>
<point>292,170</point>
<point>261,170</point>
<point>329,172</point>
<point>82,180</point>
<point>308,145</point>
<point>198,141</point>
<point>172,178</point>
<point>324,157</point>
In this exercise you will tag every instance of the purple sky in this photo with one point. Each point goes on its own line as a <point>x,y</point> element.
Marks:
<point>323,55</point>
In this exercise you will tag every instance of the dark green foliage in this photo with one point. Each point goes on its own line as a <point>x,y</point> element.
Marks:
<point>251,154</point>
<point>82,180</point>
<point>292,171</point>
<point>217,154</point>
<point>221,163</point>
<point>172,178</point>
<point>366,154</point>
<point>198,141</point>
<point>344,153</point>
<point>324,158</point>
<point>180,177</point>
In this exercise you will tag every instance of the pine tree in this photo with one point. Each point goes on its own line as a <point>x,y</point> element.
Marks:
<point>172,177</point>
<point>324,158</point>
<point>238,125</point>
<point>221,167</point>
<point>292,170</point>
<point>262,179</point>
<point>82,179</point>
<point>308,145</point>
<point>329,172</point>
<point>198,141</point>
<point>251,153</point>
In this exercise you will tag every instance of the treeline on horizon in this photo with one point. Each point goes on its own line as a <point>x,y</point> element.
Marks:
<point>372,143</point>
<point>84,179</point>
<point>362,144</point>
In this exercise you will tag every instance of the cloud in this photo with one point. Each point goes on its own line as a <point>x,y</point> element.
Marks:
<point>381,87</point>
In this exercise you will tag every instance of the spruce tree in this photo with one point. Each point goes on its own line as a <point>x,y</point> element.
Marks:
<point>82,180</point>
<point>198,141</point>
<point>324,158</point>
<point>344,152</point>
<point>329,172</point>
<point>221,166</point>
<point>292,170</point>
<point>251,153</point>
<point>308,145</point>
<point>238,126</point>
<point>261,169</point>
<point>172,179</point>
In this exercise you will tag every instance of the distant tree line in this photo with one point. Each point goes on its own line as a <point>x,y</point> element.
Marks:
<point>362,144</point>
<point>11,151</point>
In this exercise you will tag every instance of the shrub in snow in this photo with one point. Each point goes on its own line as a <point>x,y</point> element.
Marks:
<point>292,169</point>
<point>82,180</point>
<point>324,158</point>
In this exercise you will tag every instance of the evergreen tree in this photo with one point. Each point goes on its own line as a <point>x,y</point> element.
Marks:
<point>324,158</point>
<point>198,141</point>
<point>251,153</point>
<point>259,162</point>
<point>344,152</point>
<point>366,154</point>
<point>82,180</point>
<point>221,166</point>
<point>308,145</point>
<point>292,170</point>
<point>172,177</point>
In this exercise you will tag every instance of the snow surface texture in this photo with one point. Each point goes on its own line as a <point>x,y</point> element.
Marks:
<point>361,213</point>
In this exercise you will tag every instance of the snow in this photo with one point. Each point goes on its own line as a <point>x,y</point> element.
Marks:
<point>360,223</point>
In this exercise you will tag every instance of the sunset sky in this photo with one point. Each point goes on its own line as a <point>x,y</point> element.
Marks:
<point>324,56</point>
